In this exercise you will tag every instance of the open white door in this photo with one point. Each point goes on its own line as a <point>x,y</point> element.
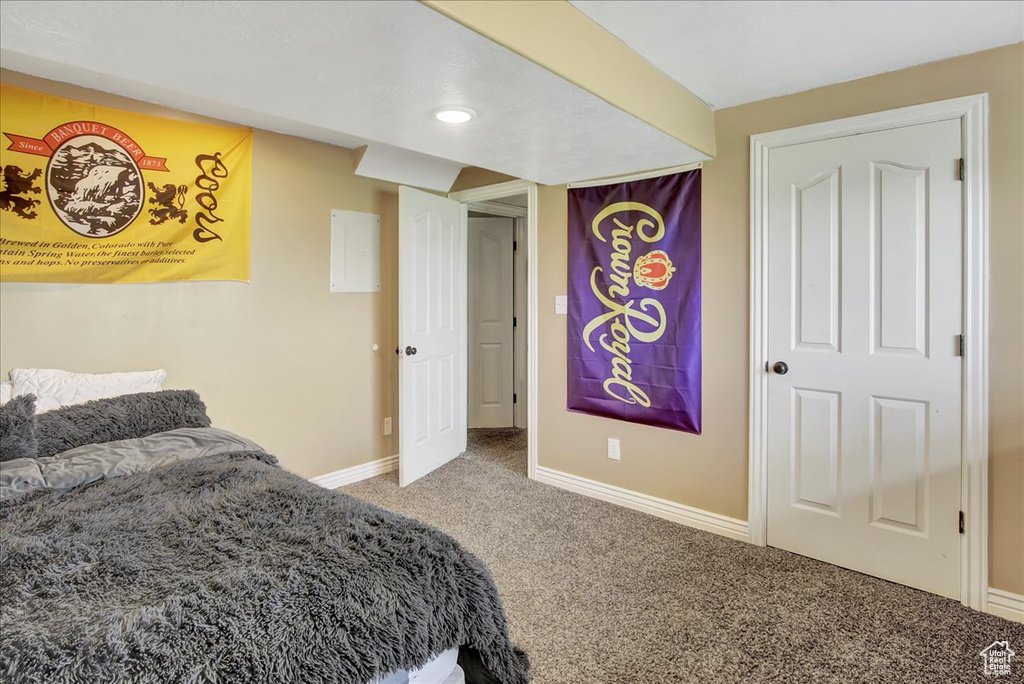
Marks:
<point>431,332</point>
<point>491,389</point>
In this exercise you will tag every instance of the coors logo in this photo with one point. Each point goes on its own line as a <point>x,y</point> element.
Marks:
<point>95,190</point>
<point>94,176</point>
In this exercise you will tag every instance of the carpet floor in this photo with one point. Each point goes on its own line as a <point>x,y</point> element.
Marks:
<point>599,594</point>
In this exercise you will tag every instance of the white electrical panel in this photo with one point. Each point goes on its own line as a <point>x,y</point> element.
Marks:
<point>355,252</point>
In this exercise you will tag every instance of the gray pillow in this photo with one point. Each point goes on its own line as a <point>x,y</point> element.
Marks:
<point>18,437</point>
<point>128,416</point>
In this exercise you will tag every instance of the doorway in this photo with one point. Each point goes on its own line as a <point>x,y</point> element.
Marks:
<point>497,267</point>
<point>868,338</point>
<point>517,200</point>
<point>434,368</point>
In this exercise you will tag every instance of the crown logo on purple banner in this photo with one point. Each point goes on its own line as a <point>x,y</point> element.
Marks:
<point>653,270</point>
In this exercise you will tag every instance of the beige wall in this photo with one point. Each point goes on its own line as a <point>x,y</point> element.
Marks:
<point>280,359</point>
<point>475,177</point>
<point>710,471</point>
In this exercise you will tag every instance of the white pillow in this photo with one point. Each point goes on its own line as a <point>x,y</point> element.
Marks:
<point>6,391</point>
<point>64,388</point>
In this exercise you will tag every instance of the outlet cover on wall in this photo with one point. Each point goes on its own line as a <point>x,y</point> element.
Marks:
<point>561,305</point>
<point>386,430</point>
<point>614,449</point>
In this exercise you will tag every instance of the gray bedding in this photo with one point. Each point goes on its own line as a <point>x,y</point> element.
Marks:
<point>93,462</point>
<point>190,556</point>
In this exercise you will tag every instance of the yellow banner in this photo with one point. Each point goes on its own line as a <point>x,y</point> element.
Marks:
<point>98,195</point>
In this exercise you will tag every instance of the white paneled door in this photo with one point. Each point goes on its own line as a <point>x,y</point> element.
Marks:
<point>865,312</point>
<point>491,388</point>
<point>431,332</point>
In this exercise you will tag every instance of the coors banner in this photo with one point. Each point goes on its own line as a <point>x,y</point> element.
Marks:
<point>634,301</point>
<point>99,195</point>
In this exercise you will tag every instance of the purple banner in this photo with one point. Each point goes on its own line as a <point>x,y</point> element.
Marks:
<point>634,301</point>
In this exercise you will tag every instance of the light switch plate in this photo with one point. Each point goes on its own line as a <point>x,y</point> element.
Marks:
<point>561,305</point>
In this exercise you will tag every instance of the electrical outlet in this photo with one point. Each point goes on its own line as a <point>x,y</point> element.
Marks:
<point>561,305</point>
<point>614,449</point>
<point>387,427</point>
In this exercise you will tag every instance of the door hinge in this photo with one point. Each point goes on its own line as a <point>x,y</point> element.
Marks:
<point>513,321</point>
<point>515,398</point>
<point>961,345</point>
<point>960,172</point>
<point>961,522</point>
<point>515,245</point>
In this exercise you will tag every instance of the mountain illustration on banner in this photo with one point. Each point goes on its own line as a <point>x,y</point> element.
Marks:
<point>95,190</point>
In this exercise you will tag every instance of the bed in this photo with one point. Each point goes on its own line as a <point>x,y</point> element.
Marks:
<point>139,544</point>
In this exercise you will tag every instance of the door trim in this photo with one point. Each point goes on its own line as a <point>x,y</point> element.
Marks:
<point>496,192</point>
<point>972,111</point>
<point>521,303</point>
<point>499,208</point>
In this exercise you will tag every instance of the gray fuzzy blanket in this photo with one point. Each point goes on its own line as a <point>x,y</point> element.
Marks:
<point>227,568</point>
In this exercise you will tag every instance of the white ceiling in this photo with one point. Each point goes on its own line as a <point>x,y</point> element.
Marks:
<point>343,72</point>
<point>357,73</point>
<point>729,53</point>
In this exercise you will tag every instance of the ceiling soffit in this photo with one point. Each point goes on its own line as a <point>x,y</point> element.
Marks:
<point>567,42</point>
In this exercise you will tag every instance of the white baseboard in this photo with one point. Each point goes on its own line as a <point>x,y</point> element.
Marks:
<point>340,478</point>
<point>1005,604</point>
<point>662,508</point>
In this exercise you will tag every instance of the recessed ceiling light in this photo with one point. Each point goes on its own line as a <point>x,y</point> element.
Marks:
<point>454,115</point>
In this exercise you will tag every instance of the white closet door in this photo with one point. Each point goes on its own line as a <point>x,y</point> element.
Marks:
<point>491,381</point>
<point>865,289</point>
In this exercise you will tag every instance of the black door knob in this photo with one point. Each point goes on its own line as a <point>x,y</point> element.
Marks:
<point>410,351</point>
<point>780,367</point>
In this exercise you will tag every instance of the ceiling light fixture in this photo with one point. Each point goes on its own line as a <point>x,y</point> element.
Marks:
<point>454,115</point>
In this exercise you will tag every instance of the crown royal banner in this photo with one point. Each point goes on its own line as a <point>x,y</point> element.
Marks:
<point>634,301</point>
<point>98,195</point>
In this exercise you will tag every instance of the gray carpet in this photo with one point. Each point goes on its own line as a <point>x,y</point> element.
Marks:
<point>599,594</point>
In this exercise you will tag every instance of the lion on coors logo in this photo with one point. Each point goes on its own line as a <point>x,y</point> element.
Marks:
<point>17,183</point>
